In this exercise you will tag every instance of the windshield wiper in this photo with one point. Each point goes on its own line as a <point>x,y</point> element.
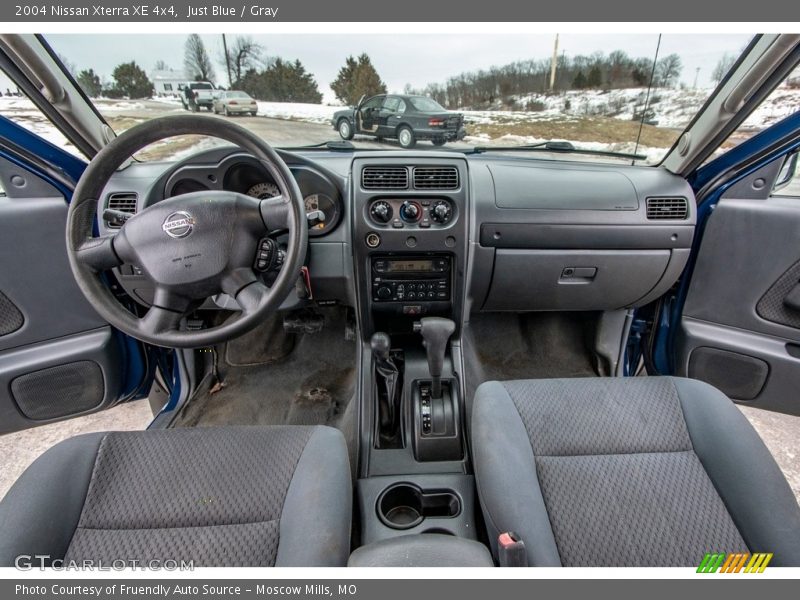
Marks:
<point>335,145</point>
<point>555,146</point>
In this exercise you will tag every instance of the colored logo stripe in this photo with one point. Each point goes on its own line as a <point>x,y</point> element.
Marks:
<point>734,562</point>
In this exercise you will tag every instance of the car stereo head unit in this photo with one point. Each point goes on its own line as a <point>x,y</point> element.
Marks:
<point>411,279</point>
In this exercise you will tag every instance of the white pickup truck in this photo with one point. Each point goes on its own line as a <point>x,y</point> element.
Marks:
<point>198,94</point>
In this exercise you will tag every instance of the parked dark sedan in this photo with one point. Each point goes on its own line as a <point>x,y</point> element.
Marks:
<point>406,118</point>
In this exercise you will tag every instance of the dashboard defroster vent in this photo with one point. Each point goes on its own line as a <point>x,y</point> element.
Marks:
<point>384,178</point>
<point>667,208</point>
<point>435,178</point>
<point>123,202</point>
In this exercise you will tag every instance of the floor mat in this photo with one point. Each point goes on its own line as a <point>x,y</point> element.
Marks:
<point>311,385</point>
<point>505,346</point>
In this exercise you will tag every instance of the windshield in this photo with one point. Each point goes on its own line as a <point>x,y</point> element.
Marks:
<point>619,93</point>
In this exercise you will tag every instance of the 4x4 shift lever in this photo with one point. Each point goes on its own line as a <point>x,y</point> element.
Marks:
<point>435,331</point>
<point>388,382</point>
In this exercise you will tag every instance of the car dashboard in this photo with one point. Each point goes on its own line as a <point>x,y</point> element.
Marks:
<point>408,234</point>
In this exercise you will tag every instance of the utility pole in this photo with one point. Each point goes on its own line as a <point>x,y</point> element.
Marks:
<point>553,64</point>
<point>696,75</point>
<point>227,61</point>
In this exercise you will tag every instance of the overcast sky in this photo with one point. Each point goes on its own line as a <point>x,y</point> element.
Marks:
<point>417,59</point>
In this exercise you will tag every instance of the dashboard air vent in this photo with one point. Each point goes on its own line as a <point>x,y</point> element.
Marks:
<point>667,208</point>
<point>123,202</point>
<point>384,178</point>
<point>436,178</point>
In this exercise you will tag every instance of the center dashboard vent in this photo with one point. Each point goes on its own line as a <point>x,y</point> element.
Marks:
<point>667,208</point>
<point>123,202</point>
<point>384,178</point>
<point>435,178</point>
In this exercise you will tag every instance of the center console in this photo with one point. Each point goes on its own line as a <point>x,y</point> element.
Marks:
<point>410,216</point>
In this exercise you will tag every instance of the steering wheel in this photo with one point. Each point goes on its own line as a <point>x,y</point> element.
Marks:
<point>190,247</point>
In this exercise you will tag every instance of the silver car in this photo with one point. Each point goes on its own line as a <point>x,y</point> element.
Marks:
<point>234,103</point>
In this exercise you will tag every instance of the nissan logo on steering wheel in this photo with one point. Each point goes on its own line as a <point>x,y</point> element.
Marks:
<point>178,225</point>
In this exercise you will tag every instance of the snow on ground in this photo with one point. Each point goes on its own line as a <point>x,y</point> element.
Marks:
<point>297,111</point>
<point>667,108</point>
<point>25,113</point>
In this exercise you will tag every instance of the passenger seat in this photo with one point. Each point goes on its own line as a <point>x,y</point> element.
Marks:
<point>645,471</point>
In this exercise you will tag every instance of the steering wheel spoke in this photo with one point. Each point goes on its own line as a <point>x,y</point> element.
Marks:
<point>246,289</point>
<point>166,312</point>
<point>98,253</point>
<point>250,298</point>
<point>276,213</point>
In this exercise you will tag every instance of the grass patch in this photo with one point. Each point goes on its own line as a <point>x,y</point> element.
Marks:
<point>578,129</point>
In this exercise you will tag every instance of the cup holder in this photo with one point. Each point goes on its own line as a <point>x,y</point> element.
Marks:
<point>404,505</point>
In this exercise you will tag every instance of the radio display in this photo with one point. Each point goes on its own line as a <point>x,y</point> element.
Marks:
<point>402,266</point>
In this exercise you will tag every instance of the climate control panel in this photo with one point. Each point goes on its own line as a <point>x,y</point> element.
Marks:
<point>414,213</point>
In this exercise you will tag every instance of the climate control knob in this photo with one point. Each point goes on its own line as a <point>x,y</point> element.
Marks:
<point>441,212</point>
<point>381,212</point>
<point>410,211</point>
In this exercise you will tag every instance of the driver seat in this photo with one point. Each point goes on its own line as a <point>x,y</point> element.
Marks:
<point>228,496</point>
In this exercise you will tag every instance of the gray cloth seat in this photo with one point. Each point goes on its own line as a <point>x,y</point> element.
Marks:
<point>232,496</point>
<point>648,471</point>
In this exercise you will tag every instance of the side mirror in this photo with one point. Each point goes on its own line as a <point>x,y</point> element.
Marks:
<point>786,174</point>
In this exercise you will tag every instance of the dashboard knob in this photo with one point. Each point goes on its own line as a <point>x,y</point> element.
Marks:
<point>381,212</point>
<point>441,212</point>
<point>409,211</point>
<point>384,293</point>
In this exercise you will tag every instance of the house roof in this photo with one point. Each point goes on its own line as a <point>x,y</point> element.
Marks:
<point>170,75</point>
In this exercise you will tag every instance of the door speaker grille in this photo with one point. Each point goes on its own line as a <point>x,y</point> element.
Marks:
<point>59,391</point>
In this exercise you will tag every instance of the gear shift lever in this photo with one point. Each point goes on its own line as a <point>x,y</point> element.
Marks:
<point>435,331</point>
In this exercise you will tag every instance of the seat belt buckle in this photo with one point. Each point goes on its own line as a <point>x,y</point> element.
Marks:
<point>511,550</point>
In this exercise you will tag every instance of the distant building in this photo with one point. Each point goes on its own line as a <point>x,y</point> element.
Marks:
<point>168,83</point>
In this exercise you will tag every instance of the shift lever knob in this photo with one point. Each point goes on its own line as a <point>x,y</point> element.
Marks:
<point>381,344</point>
<point>435,331</point>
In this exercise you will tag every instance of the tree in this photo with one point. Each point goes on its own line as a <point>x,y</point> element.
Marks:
<point>579,82</point>
<point>595,78</point>
<point>668,70</point>
<point>357,78</point>
<point>90,83</point>
<point>244,55</point>
<point>282,81</point>
<point>130,81</point>
<point>723,66</point>
<point>196,60</point>
<point>161,66</point>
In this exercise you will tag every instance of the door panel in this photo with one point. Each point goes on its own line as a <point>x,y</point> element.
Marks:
<point>736,331</point>
<point>58,358</point>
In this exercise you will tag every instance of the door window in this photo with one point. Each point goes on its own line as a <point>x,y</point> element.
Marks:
<point>375,102</point>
